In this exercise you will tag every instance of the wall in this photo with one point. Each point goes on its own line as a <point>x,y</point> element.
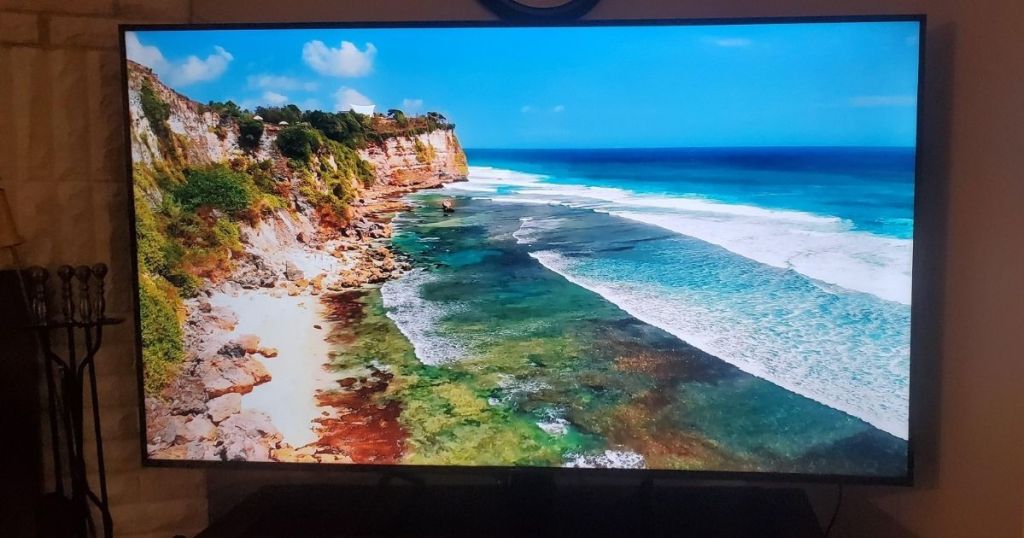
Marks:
<point>61,162</point>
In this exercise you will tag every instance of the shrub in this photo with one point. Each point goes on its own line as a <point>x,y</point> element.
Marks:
<point>424,153</point>
<point>330,124</point>
<point>225,110</point>
<point>262,176</point>
<point>399,117</point>
<point>162,339</point>
<point>151,244</point>
<point>217,187</point>
<point>250,132</point>
<point>299,142</point>
<point>156,111</point>
<point>277,114</point>
<point>351,163</point>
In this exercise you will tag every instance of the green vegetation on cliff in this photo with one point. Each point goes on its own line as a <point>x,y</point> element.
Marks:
<point>190,212</point>
<point>299,142</point>
<point>162,348</point>
<point>250,132</point>
<point>424,152</point>
<point>187,233</point>
<point>216,187</point>
<point>157,112</point>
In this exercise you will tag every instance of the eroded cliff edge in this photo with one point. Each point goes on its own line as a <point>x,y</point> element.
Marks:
<point>238,219</point>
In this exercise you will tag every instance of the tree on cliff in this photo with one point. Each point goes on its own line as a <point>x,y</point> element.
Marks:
<point>277,114</point>
<point>399,117</point>
<point>157,112</point>
<point>250,132</point>
<point>226,110</point>
<point>299,142</point>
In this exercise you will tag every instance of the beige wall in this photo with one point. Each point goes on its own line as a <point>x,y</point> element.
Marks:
<point>61,161</point>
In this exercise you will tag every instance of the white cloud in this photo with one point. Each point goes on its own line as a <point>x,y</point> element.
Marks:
<point>412,105</point>
<point>732,42</point>
<point>558,108</point>
<point>274,98</point>
<point>196,70</point>
<point>181,73</point>
<point>344,61</point>
<point>345,97</point>
<point>526,109</point>
<point>146,55</point>
<point>869,101</point>
<point>280,83</point>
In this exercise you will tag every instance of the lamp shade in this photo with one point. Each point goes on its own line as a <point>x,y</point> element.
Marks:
<point>8,231</point>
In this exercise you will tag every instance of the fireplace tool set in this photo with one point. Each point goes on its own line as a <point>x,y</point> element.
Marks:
<point>78,330</point>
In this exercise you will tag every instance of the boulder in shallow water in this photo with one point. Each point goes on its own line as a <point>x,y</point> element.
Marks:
<point>232,349</point>
<point>200,427</point>
<point>200,450</point>
<point>222,318</point>
<point>292,271</point>
<point>222,407</point>
<point>248,436</point>
<point>258,372</point>
<point>170,431</point>
<point>185,395</point>
<point>250,343</point>
<point>448,205</point>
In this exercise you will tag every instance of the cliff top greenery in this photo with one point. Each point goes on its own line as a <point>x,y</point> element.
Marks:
<point>350,128</point>
<point>189,215</point>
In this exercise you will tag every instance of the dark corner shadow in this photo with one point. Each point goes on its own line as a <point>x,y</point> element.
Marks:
<point>930,254</point>
<point>868,521</point>
<point>860,516</point>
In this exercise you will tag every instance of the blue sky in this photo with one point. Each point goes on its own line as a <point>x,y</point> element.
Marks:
<point>840,84</point>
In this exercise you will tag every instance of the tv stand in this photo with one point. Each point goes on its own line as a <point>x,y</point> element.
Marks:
<point>524,504</point>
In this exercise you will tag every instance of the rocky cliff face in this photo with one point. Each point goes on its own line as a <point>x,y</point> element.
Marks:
<point>432,154</point>
<point>211,139</point>
<point>196,136</point>
<point>268,227</point>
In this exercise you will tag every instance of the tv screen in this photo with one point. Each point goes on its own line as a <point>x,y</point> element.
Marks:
<point>659,245</point>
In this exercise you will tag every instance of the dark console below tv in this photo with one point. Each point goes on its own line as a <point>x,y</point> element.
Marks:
<point>528,509</point>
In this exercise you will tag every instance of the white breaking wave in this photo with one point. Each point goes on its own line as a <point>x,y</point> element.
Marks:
<point>609,459</point>
<point>821,247</point>
<point>417,318</point>
<point>813,363</point>
<point>531,227</point>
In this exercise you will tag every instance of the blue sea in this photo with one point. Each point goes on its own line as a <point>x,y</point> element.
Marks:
<point>788,267</point>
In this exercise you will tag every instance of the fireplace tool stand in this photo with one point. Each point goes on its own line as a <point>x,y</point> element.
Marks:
<point>78,331</point>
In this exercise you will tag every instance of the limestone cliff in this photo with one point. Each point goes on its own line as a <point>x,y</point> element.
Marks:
<point>202,136</point>
<point>432,154</point>
<point>225,217</point>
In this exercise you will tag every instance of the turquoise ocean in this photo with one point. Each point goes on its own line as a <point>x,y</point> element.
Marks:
<point>717,308</point>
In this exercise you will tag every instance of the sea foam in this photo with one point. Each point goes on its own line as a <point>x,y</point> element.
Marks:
<point>417,318</point>
<point>822,247</point>
<point>856,365</point>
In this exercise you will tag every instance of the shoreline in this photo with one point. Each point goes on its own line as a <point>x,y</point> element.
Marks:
<point>341,417</point>
<point>220,405</point>
<point>469,272</point>
<point>807,240</point>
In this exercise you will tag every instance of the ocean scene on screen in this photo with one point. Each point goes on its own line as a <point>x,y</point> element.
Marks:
<point>681,248</point>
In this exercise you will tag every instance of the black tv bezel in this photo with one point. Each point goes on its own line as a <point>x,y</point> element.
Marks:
<point>919,278</point>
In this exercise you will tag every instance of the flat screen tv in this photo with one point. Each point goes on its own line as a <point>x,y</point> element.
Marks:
<point>673,246</point>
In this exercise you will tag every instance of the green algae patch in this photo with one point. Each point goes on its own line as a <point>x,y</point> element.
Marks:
<point>448,414</point>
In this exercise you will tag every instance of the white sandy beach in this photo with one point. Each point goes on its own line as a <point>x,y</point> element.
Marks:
<point>298,370</point>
